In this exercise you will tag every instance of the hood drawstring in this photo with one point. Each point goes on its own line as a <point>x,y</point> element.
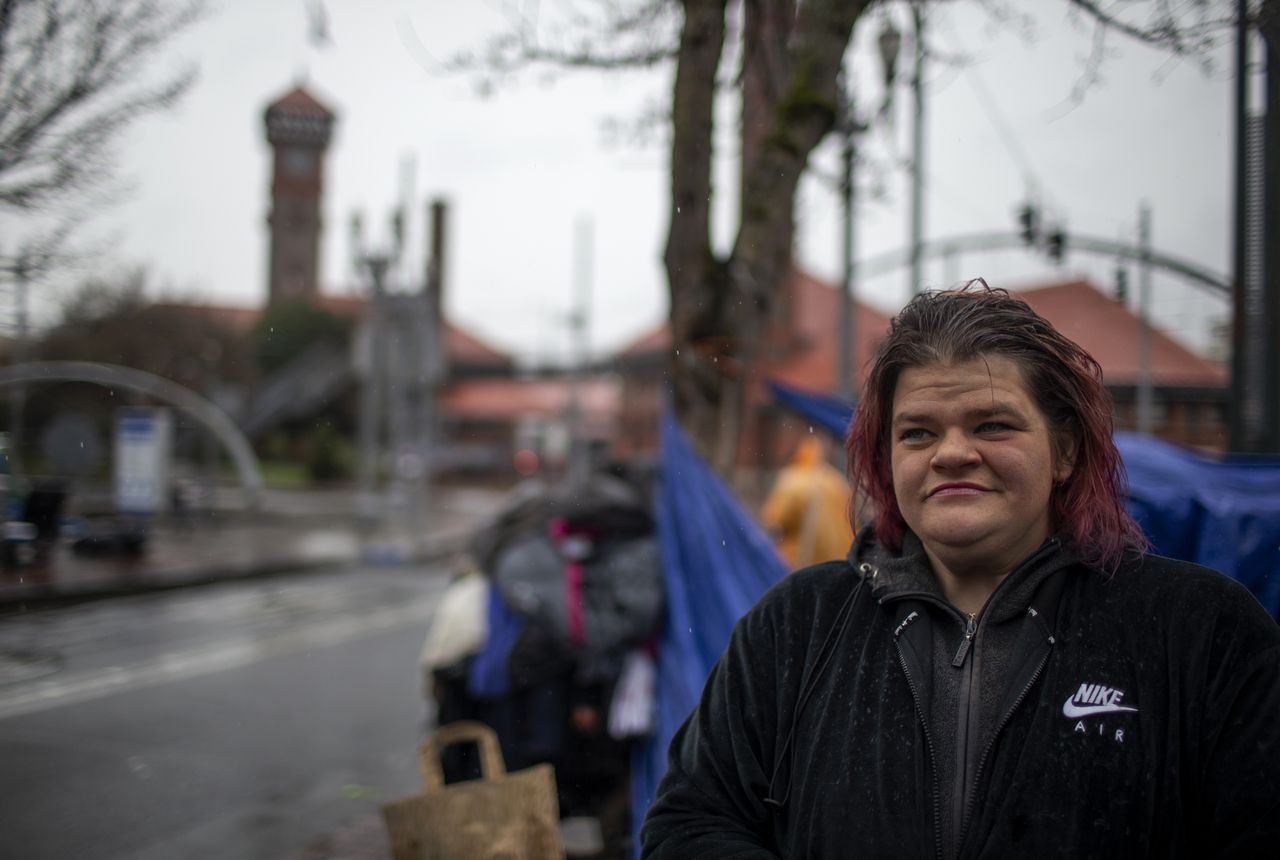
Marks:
<point>808,685</point>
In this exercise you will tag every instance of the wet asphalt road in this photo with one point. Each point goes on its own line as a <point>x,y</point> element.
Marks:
<point>241,720</point>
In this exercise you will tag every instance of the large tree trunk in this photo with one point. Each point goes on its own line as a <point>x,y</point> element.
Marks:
<point>695,278</point>
<point>720,309</point>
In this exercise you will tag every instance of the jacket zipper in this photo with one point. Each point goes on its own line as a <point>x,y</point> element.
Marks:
<point>933,765</point>
<point>963,731</point>
<point>970,628</point>
<point>982,762</point>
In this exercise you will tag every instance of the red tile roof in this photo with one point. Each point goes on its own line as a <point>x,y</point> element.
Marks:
<point>239,320</point>
<point>811,356</point>
<point>1104,327</point>
<point>464,347</point>
<point>505,399</point>
<point>657,339</point>
<point>298,100</point>
<point>461,346</point>
<point>1110,332</point>
<point>813,359</point>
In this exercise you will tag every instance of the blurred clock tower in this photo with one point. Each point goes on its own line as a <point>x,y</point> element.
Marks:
<point>298,129</point>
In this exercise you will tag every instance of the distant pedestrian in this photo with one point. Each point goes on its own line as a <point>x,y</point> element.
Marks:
<point>458,630</point>
<point>807,510</point>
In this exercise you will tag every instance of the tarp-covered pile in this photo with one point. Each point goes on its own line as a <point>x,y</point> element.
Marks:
<point>717,563</point>
<point>1222,514</point>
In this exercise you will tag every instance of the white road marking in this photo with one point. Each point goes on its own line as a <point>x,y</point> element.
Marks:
<point>83,686</point>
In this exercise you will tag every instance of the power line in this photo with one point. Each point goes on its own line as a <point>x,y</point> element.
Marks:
<point>1004,132</point>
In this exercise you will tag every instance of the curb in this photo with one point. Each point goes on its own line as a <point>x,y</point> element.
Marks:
<point>52,594</point>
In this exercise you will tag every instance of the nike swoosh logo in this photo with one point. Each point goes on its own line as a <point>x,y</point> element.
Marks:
<point>1074,711</point>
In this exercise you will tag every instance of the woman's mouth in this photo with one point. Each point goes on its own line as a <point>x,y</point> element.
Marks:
<point>952,490</point>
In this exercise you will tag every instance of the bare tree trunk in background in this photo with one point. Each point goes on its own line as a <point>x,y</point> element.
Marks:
<point>720,308</point>
<point>695,279</point>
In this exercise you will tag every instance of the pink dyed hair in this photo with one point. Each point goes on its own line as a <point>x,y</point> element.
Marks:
<point>972,321</point>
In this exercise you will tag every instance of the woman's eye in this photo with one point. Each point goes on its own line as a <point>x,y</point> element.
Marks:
<point>993,427</point>
<point>915,434</point>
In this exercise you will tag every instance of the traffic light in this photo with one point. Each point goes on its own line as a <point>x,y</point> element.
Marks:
<point>1029,219</point>
<point>1055,245</point>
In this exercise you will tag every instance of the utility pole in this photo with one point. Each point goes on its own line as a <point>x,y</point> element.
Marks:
<point>18,392</point>
<point>847,336</point>
<point>374,394</point>
<point>917,154</point>
<point>431,337</point>
<point>579,320</point>
<point>1269,253</point>
<point>1253,363</point>
<point>1146,402</point>
<point>1239,419</point>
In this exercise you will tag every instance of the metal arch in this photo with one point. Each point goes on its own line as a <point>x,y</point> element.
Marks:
<point>884,263</point>
<point>115,376</point>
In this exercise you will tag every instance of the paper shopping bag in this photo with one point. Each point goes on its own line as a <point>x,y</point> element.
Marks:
<point>500,816</point>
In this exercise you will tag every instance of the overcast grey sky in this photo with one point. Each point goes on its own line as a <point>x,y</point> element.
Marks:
<point>522,165</point>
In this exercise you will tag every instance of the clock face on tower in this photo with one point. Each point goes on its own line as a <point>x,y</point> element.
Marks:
<point>299,160</point>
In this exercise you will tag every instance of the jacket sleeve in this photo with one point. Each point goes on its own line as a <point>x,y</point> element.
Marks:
<point>710,803</point>
<point>1240,746</point>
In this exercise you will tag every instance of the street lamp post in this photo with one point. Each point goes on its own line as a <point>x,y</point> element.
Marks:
<point>849,125</point>
<point>374,394</point>
<point>1146,401</point>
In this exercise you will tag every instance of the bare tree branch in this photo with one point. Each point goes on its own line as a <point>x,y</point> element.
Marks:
<point>612,36</point>
<point>1192,32</point>
<point>70,75</point>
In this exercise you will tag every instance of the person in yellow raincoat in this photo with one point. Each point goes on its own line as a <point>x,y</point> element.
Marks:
<point>807,510</point>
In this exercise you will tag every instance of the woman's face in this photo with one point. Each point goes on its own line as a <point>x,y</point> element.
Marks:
<point>973,463</point>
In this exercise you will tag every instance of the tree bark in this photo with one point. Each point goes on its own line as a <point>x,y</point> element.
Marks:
<point>720,309</point>
<point>694,277</point>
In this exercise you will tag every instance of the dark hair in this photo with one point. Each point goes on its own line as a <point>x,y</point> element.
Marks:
<point>973,321</point>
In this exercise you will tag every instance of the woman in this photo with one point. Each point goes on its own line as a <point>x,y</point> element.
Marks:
<point>999,669</point>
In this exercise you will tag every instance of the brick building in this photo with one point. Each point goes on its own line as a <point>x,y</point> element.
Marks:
<point>298,129</point>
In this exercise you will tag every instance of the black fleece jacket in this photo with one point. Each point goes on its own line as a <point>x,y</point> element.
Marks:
<point>1137,715</point>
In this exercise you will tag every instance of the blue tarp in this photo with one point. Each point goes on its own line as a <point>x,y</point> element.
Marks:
<point>717,563</point>
<point>830,413</point>
<point>487,677</point>
<point>1222,514</point>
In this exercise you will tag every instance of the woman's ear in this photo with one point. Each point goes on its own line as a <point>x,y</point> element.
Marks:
<point>1064,455</point>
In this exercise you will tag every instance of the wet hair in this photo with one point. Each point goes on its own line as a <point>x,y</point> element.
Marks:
<point>976,321</point>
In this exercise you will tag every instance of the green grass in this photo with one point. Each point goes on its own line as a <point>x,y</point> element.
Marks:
<point>284,475</point>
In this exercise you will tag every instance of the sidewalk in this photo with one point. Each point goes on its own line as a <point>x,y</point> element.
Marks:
<point>293,531</point>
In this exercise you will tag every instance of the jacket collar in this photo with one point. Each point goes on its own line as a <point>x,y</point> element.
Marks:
<point>907,573</point>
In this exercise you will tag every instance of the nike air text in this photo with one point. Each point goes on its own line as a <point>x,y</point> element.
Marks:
<point>1093,699</point>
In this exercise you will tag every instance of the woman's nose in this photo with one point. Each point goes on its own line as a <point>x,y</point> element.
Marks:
<point>954,449</point>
